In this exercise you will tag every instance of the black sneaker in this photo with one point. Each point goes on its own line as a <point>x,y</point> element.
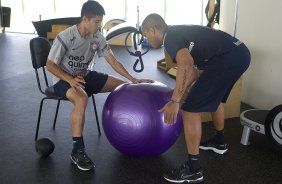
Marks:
<point>183,174</point>
<point>214,146</point>
<point>81,160</point>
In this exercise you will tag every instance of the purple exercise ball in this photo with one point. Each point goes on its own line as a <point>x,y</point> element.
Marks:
<point>132,123</point>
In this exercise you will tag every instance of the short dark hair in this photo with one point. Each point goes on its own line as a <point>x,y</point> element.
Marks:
<point>91,9</point>
<point>154,21</point>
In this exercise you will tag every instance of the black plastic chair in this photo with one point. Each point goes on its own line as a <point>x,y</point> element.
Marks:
<point>39,50</point>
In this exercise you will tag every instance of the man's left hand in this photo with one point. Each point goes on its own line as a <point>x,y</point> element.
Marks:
<point>136,81</point>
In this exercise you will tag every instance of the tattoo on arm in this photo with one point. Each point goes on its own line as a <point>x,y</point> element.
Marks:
<point>182,88</point>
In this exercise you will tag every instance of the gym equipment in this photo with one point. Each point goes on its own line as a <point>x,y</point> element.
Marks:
<point>132,123</point>
<point>127,28</point>
<point>44,147</point>
<point>267,122</point>
<point>212,12</point>
<point>5,15</point>
<point>132,33</point>
<point>111,23</point>
<point>135,34</point>
<point>117,36</point>
<point>138,39</point>
<point>56,29</point>
<point>119,29</point>
<point>44,26</point>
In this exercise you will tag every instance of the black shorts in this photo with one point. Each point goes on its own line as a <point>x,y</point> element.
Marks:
<point>94,83</point>
<point>217,80</point>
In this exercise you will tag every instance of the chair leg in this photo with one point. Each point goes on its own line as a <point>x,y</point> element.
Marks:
<point>96,115</point>
<point>55,119</point>
<point>38,120</point>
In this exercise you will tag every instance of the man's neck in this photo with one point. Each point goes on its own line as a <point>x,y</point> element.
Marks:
<point>82,31</point>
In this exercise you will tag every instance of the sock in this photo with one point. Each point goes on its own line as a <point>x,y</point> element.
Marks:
<point>219,136</point>
<point>77,143</point>
<point>83,142</point>
<point>194,162</point>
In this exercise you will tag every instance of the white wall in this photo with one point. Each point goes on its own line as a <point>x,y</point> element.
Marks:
<point>259,27</point>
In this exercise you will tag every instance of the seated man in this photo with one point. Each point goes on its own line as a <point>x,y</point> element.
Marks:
<point>68,60</point>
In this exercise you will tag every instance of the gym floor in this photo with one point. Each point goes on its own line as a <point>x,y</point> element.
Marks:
<point>19,163</point>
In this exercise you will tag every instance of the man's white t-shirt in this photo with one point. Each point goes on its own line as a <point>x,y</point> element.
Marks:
<point>73,54</point>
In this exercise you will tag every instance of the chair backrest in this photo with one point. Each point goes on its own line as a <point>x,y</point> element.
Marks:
<point>39,50</point>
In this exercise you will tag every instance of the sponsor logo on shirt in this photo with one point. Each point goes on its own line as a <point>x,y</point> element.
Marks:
<point>76,63</point>
<point>73,39</point>
<point>94,45</point>
<point>238,43</point>
<point>191,45</point>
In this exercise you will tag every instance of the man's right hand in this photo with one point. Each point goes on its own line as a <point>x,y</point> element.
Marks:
<point>77,83</point>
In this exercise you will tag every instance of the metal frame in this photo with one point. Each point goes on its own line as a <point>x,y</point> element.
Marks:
<point>248,126</point>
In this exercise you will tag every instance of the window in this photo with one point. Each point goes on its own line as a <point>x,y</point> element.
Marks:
<point>16,14</point>
<point>114,9</point>
<point>23,12</point>
<point>145,7</point>
<point>65,8</point>
<point>183,12</point>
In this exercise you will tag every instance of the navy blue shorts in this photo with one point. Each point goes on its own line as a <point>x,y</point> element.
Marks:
<point>219,75</point>
<point>95,82</point>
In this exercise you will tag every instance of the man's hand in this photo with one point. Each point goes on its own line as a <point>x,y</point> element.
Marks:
<point>77,83</point>
<point>136,81</point>
<point>170,112</point>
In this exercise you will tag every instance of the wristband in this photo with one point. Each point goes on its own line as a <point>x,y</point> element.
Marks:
<point>173,101</point>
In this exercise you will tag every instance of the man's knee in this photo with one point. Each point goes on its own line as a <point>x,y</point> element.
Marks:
<point>77,97</point>
<point>191,117</point>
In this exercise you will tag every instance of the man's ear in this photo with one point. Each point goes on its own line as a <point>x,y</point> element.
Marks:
<point>84,18</point>
<point>151,30</point>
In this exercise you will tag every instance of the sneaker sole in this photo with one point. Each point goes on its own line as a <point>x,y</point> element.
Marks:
<point>81,168</point>
<point>199,180</point>
<point>213,149</point>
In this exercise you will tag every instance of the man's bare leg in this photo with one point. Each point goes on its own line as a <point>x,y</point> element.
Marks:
<point>216,143</point>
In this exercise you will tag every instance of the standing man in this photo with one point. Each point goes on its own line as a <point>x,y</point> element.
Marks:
<point>212,61</point>
<point>68,60</point>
